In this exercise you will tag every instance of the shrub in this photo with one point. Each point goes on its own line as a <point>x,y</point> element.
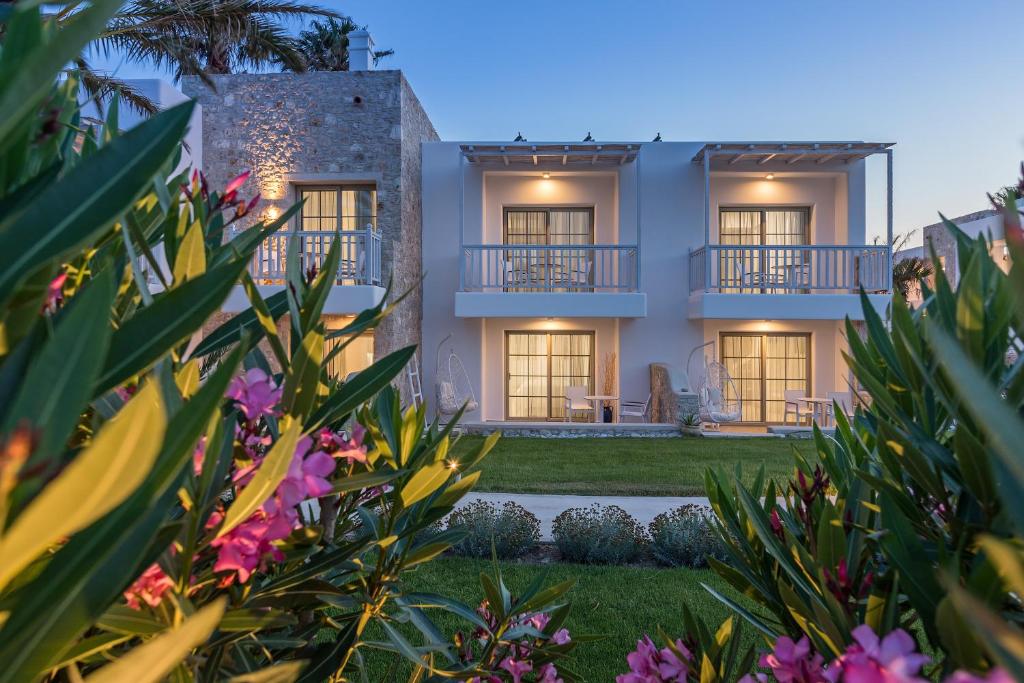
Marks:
<point>598,535</point>
<point>512,529</point>
<point>685,537</point>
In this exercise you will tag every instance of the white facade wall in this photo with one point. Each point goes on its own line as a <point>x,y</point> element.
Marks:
<point>656,202</point>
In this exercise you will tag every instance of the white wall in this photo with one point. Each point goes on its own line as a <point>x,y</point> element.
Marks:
<point>824,194</point>
<point>597,190</point>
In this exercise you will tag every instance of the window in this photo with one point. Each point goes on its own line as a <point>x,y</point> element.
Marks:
<point>539,368</point>
<point>761,227</point>
<point>337,208</point>
<point>549,226</point>
<point>355,357</point>
<point>763,367</point>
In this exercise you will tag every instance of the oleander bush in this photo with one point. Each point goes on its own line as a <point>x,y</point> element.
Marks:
<point>685,537</point>
<point>896,552</point>
<point>507,532</point>
<point>156,491</point>
<point>599,534</point>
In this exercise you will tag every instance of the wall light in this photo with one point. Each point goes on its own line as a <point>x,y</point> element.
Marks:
<point>545,175</point>
<point>770,176</point>
<point>271,213</point>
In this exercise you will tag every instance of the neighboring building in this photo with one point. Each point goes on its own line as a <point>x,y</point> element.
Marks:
<point>540,259</point>
<point>349,144</point>
<point>988,223</point>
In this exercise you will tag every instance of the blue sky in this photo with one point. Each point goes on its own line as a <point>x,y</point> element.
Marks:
<point>942,79</point>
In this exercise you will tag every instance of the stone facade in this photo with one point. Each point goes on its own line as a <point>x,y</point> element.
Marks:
<point>330,127</point>
<point>671,397</point>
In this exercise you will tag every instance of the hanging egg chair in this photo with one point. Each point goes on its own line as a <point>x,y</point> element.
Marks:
<point>451,383</point>
<point>718,398</point>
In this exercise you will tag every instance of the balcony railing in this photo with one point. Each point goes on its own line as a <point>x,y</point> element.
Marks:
<point>359,263</point>
<point>750,269</point>
<point>549,268</point>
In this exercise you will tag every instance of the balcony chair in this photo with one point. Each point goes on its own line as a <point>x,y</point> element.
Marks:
<point>577,278</point>
<point>845,401</point>
<point>575,401</point>
<point>795,407</point>
<point>514,277</point>
<point>634,409</point>
<point>756,279</point>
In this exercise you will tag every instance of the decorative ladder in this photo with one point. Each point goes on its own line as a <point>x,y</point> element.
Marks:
<point>415,384</point>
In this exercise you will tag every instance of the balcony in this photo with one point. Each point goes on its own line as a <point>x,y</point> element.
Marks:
<point>546,280</point>
<point>358,280</point>
<point>788,282</point>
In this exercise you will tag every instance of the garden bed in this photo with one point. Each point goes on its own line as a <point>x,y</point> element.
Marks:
<point>625,466</point>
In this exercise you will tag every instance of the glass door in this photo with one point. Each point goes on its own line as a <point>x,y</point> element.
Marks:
<point>539,366</point>
<point>763,367</point>
<point>760,270</point>
<point>549,269</point>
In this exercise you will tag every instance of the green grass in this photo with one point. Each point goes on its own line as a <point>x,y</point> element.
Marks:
<point>625,466</point>
<point>619,603</point>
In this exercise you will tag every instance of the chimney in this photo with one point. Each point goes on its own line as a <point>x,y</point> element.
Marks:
<point>360,51</point>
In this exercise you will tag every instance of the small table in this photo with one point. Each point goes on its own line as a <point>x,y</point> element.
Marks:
<point>819,407</point>
<point>598,400</point>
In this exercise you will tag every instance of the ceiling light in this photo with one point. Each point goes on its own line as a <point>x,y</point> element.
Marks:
<point>545,175</point>
<point>770,176</point>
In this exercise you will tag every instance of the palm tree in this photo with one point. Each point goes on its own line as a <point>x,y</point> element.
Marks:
<point>198,37</point>
<point>325,45</point>
<point>907,272</point>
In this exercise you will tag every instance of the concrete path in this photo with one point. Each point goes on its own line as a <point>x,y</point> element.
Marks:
<point>643,508</point>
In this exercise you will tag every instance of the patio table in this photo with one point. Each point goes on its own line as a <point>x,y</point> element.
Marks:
<point>819,407</point>
<point>598,400</point>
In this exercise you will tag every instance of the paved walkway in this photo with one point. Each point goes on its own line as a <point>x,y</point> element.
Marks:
<point>643,508</point>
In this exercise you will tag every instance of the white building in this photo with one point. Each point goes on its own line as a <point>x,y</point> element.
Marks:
<point>541,258</point>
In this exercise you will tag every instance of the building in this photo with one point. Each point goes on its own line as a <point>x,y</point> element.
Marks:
<point>550,265</point>
<point>988,222</point>
<point>542,259</point>
<point>348,143</point>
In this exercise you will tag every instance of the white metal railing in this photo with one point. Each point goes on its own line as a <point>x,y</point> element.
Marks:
<point>791,269</point>
<point>359,263</point>
<point>549,268</point>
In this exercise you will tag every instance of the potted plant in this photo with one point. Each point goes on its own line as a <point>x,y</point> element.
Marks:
<point>690,424</point>
<point>608,385</point>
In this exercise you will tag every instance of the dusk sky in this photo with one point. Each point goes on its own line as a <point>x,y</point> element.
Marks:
<point>941,79</point>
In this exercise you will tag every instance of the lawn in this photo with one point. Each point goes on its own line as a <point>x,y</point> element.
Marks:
<point>625,466</point>
<point>619,603</point>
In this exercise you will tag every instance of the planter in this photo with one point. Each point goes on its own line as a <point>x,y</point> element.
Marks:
<point>607,414</point>
<point>689,430</point>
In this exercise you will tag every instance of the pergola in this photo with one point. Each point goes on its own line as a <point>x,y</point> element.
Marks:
<point>523,154</point>
<point>796,156</point>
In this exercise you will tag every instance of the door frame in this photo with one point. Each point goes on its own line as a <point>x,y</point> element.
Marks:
<point>764,364</point>
<point>504,359</point>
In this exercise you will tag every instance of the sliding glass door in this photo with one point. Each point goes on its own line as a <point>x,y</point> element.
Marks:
<point>757,270</point>
<point>557,270</point>
<point>763,367</point>
<point>539,366</point>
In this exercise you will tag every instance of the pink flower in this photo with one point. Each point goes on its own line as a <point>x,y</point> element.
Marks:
<point>241,551</point>
<point>793,662</point>
<point>237,182</point>
<point>643,664</point>
<point>892,659</point>
<point>255,393</point>
<point>538,621</point>
<point>671,667</point>
<point>547,673</point>
<point>516,667</point>
<point>338,446</point>
<point>198,455</point>
<point>55,293</point>
<point>993,676</point>
<point>561,637</point>
<point>149,588</point>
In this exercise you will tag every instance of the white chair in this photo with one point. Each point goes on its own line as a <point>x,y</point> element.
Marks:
<point>845,401</point>
<point>634,409</point>
<point>575,401</point>
<point>795,407</point>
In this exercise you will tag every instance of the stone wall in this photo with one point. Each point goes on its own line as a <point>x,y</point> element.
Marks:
<point>671,395</point>
<point>337,127</point>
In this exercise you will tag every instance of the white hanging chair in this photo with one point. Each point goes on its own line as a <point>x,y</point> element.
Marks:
<point>452,384</point>
<point>717,395</point>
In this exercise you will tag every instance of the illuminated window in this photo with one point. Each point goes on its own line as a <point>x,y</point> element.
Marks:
<point>357,354</point>
<point>337,208</point>
<point>540,366</point>
<point>763,367</point>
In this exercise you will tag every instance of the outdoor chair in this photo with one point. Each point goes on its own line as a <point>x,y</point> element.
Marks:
<point>634,409</point>
<point>575,401</point>
<point>795,407</point>
<point>845,401</point>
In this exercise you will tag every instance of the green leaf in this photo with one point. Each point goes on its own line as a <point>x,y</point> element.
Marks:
<point>147,335</point>
<point>25,79</point>
<point>69,213</point>
<point>154,659</point>
<point>362,388</point>
<point>58,383</point>
<point>190,261</point>
<point>246,619</point>
<point>96,481</point>
<point>365,480</point>
<point>270,473</point>
<point>424,482</point>
<point>90,647</point>
<point>282,672</point>
<point>300,386</point>
<point>246,322</point>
